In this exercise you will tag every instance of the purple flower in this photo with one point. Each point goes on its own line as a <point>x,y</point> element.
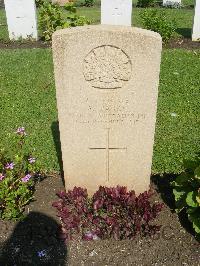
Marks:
<point>10,166</point>
<point>1,177</point>
<point>41,253</point>
<point>31,160</point>
<point>21,131</point>
<point>26,178</point>
<point>90,236</point>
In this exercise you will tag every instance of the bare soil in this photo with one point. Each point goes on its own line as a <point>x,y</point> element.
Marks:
<point>24,44</point>
<point>183,43</point>
<point>20,242</point>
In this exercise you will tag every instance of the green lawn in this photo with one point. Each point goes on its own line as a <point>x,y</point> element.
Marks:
<point>183,18</point>
<point>28,99</point>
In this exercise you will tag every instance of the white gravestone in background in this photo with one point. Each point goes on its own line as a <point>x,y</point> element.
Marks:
<point>196,25</point>
<point>21,19</point>
<point>171,2</point>
<point>116,12</point>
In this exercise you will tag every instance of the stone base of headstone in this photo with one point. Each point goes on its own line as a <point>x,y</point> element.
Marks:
<point>106,87</point>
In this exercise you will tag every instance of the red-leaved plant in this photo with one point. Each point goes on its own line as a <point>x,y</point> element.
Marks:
<point>110,213</point>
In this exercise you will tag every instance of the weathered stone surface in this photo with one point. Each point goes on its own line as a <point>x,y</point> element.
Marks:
<point>21,19</point>
<point>107,86</point>
<point>196,25</point>
<point>61,2</point>
<point>116,12</point>
<point>175,3</point>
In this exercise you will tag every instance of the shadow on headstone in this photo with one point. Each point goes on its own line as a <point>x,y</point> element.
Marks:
<point>185,32</point>
<point>56,138</point>
<point>34,241</point>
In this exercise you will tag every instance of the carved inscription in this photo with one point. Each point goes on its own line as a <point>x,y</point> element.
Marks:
<point>131,118</point>
<point>107,67</point>
<point>108,149</point>
<point>107,112</point>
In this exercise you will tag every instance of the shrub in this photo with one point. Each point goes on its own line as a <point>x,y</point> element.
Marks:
<point>110,213</point>
<point>158,22</point>
<point>18,177</point>
<point>146,3</point>
<point>186,189</point>
<point>53,17</point>
<point>39,3</point>
<point>89,3</point>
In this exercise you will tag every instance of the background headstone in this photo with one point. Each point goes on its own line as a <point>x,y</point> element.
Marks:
<point>196,25</point>
<point>21,19</point>
<point>175,3</point>
<point>116,12</point>
<point>61,2</point>
<point>107,86</point>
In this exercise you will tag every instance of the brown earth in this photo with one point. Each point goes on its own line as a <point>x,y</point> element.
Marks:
<point>20,241</point>
<point>184,43</point>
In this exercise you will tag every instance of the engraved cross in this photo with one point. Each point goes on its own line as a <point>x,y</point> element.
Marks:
<point>108,149</point>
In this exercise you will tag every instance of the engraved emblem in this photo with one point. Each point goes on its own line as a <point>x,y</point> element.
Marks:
<point>107,67</point>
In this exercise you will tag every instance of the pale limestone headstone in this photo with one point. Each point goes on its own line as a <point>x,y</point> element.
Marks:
<point>175,3</point>
<point>61,2</point>
<point>21,19</point>
<point>196,25</point>
<point>107,86</point>
<point>116,12</point>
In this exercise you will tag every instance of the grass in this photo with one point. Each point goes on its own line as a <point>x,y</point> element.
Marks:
<point>183,18</point>
<point>28,99</point>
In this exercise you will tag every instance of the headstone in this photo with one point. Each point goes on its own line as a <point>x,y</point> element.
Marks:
<point>61,2</point>
<point>21,19</point>
<point>116,12</point>
<point>172,3</point>
<point>107,85</point>
<point>196,25</point>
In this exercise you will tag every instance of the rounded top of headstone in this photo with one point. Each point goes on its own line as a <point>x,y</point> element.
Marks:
<point>108,28</point>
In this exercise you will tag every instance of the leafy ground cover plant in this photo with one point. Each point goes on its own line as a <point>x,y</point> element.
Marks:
<point>18,177</point>
<point>89,3</point>
<point>146,3</point>
<point>53,17</point>
<point>186,189</point>
<point>109,213</point>
<point>157,21</point>
<point>39,2</point>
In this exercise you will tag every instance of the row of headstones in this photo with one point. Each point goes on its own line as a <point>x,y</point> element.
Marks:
<point>22,21</point>
<point>21,16</point>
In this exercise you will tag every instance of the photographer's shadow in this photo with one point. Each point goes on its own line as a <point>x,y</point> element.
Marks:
<point>34,241</point>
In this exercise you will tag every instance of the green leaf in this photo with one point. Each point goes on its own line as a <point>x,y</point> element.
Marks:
<point>198,198</point>
<point>191,199</point>
<point>180,197</point>
<point>197,173</point>
<point>182,179</point>
<point>194,217</point>
<point>189,164</point>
